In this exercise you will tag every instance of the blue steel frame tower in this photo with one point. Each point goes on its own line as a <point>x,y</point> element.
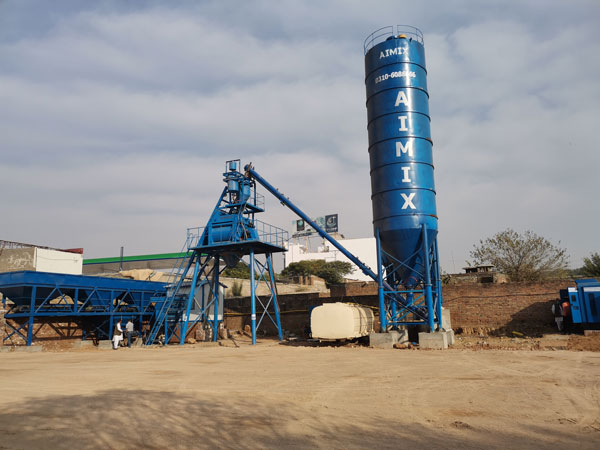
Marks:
<point>403,193</point>
<point>231,233</point>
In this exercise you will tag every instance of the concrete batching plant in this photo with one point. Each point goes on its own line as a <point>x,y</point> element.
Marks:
<point>404,219</point>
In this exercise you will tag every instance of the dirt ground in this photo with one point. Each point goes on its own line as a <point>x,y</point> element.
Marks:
<point>518,341</point>
<point>276,396</point>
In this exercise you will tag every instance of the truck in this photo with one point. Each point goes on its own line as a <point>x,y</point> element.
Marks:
<point>584,300</point>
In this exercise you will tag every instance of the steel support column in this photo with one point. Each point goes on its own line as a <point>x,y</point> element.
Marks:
<point>438,280</point>
<point>216,299</point>
<point>31,313</point>
<point>382,311</point>
<point>428,293</point>
<point>274,290</point>
<point>190,301</point>
<point>252,297</point>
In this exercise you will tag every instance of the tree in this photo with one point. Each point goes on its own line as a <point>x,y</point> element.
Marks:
<point>523,257</point>
<point>332,272</point>
<point>591,266</point>
<point>240,270</point>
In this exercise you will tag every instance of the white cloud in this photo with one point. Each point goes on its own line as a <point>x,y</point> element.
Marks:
<point>115,121</point>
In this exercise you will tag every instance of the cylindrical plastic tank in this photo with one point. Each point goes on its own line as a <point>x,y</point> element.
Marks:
<point>400,146</point>
<point>334,321</point>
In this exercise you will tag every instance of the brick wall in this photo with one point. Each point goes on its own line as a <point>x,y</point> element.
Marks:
<point>485,307</point>
<point>513,306</point>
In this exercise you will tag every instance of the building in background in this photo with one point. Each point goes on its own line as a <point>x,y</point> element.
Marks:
<point>17,256</point>
<point>364,249</point>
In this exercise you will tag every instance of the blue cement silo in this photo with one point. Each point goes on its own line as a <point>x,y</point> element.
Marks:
<point>400,147</point>
<point>400,152</point>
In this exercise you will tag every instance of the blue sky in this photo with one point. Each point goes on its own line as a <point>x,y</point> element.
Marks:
<point>116,117</point>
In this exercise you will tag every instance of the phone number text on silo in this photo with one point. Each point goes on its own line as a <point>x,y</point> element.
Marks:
<point>398,74</point>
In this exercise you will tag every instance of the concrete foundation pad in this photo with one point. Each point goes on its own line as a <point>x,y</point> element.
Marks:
<point>433,341</point>
<point>5,349</point>
<point>451,338</point>
<point>446,320</point>
<point>30,349</point>
<point>387,340</point>
<point>590,332</point>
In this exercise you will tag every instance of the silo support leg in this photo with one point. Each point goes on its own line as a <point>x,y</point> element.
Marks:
<point>438,281</point>
<point>216,299</point>
<point>428,293</point>
<point>382,313</point>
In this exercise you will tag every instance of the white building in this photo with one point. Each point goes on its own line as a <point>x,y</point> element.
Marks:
<point>40,260</point>
<point>364,249</point>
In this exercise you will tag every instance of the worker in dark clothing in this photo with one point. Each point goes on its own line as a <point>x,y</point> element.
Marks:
<point>558,314</point>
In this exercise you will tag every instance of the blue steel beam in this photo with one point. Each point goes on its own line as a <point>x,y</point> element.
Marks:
<point>274,291</point>
<point>184,326</point>
<point>216,300</point>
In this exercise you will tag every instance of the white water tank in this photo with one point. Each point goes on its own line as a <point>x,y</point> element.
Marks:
<point>333,321</point>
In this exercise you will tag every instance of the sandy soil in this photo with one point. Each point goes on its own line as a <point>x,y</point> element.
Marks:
<point>274,396</point>
<point>573,342</point>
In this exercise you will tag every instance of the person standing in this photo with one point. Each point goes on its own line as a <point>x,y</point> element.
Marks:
<point>129,332</point>
<point>117,335</point>
<point>557,311</point>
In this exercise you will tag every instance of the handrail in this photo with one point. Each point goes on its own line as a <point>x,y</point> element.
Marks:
<point>384,33</point>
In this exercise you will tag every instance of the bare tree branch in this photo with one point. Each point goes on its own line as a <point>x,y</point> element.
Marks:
<point>523,257</point>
